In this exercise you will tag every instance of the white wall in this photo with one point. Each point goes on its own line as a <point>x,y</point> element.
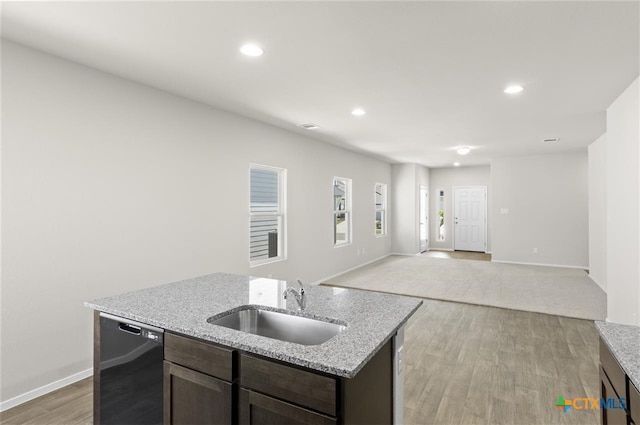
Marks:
<point>546,196</point>
<point>597,152</point>
<point>406,180</point>
<point>403,205</point>
<point>110,186</point>
<point>623,221</point>
<point>446,179</point>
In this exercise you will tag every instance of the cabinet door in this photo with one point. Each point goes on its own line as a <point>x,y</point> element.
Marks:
<point>634,403</point>
<point>194,398</point>
<point>259,409</point>
<point>610,416</point>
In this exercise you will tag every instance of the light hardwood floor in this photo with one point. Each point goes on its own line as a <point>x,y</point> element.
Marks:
<point>457,255</point>
<point>465,364</point>
<point>71,405</point>
<point>469,364</point>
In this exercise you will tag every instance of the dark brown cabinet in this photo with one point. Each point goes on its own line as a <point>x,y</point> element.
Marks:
<point>615,385</point>
<point>205,383</point>
<point>198,382</point>
<point>259,409</point>
<point>634,404</point>
<point>193,398</point>
<point>610,416</point>
<point>275,392</point>
<point>302,387</point>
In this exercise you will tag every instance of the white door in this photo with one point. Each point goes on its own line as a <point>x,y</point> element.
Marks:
<point>469,218</point>
<point>424,219</point>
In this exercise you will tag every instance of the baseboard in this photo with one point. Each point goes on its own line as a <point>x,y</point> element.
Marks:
<point>352,269</point>
<point>404,253</point>
<point>541,264</point>
<point>45,389</point>
<point>441,249</point>
<point>597,283</point>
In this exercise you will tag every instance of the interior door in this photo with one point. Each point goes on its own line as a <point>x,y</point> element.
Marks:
<point>424,219</point>
<point>469,219</point>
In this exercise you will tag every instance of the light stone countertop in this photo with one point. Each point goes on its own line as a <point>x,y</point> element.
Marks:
<point>624,342</point>
<point>371,318</point>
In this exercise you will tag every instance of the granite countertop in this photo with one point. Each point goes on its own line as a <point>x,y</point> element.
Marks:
<point>371,318</point>
<point>624,342</point>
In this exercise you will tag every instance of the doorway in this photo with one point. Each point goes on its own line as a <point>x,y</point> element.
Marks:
<point>424,219</point>
<point>470,218</point>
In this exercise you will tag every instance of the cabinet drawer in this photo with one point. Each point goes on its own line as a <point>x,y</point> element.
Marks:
<point>258,409</point>
<point>613,370</point>
<point>298,386</point>
<point>199,355</point>
<point>634,403</point>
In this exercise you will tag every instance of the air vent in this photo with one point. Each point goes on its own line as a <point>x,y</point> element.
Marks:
<point>551,140</point>
<point>309,126</point>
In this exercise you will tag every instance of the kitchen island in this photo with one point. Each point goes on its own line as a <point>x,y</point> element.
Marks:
<point>354,377</point>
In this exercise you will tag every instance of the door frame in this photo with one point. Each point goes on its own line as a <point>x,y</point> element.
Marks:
<point>426,219</point>
<point>486,218</point>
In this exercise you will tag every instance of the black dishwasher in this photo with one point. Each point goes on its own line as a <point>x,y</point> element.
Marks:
<point>131,357</point>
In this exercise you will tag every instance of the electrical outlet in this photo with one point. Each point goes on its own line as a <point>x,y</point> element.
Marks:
<point>535,250</point>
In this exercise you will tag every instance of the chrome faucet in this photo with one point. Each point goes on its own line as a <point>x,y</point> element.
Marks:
<point>299,296</point>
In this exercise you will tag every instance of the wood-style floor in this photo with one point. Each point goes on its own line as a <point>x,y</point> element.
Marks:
<point>469,364</point>
<point>457,255</point>
<point>465,364</point>
<point>71,405</point>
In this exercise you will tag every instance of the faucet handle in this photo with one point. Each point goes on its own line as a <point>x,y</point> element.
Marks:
<point>300,283</point>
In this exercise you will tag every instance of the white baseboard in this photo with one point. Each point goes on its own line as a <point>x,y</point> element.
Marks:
<point>352,269</point>
<point>597,283</point>
<point>541,264</point>
<point>45,389</point>
<point>405,254</point>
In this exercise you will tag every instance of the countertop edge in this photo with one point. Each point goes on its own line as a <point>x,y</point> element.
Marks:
<point>343,373</point>
<point>393,332</point>
<point>628,369</point>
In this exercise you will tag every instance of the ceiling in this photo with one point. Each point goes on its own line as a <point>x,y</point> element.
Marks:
<point>430,75</point>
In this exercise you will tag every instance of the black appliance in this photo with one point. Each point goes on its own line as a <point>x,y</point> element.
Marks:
<point>131,357</point>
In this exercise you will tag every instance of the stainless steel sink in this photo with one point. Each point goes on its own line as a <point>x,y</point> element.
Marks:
<point>280,326</point>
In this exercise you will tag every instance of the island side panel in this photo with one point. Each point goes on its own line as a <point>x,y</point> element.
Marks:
<point>367,398</point>
<point>96,367</point>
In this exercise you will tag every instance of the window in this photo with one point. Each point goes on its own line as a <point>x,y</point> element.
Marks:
<point>381,209</point>
<point>441,216</point>
<point>266,214</point>
<point>341,211</point>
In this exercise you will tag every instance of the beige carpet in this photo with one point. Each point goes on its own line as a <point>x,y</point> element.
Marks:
<point>551,290</point>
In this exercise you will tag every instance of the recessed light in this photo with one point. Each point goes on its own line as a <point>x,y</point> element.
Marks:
<point>309,126</point>
<point>513,89</point>
<point>456,164</point>
<point>463,150</point>
<point>358,112</point>
<point>251,50</point>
